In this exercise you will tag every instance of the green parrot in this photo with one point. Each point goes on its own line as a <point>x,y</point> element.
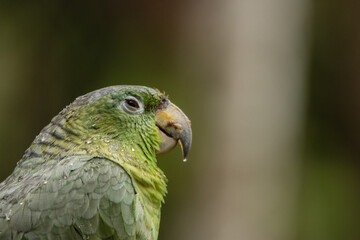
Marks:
<point>91,173</point>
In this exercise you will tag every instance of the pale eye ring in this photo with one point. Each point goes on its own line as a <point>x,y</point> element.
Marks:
<point>132,105</point>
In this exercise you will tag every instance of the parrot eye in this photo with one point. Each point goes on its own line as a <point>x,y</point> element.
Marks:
<point>132,105</point>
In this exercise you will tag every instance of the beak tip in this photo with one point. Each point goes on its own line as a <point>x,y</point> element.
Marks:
<point>185,143</point>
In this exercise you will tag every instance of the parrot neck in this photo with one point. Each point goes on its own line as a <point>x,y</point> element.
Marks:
<point>62,138</point>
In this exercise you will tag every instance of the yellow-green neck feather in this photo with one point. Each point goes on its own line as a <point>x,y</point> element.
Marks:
<point>133,149</point>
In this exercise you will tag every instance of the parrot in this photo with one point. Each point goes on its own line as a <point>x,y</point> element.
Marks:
<point>92,172</point>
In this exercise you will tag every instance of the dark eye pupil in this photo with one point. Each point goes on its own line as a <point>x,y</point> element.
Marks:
<point>132,103</point>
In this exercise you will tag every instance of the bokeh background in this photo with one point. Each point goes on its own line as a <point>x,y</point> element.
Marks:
<point>271,87</point>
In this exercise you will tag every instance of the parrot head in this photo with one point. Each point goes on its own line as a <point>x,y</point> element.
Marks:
<point>135,115</point>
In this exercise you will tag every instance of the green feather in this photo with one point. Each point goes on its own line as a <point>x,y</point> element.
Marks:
<point>90,174</point>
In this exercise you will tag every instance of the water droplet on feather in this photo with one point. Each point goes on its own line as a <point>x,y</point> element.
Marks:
<point>7,215</point>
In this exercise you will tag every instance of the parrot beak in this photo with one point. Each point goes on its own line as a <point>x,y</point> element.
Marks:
<point>174,127</point>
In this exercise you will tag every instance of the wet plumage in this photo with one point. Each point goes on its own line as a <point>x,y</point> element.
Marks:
<point>91,173</point>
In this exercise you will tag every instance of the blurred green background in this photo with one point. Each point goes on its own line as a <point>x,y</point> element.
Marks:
<point>272,89</point>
